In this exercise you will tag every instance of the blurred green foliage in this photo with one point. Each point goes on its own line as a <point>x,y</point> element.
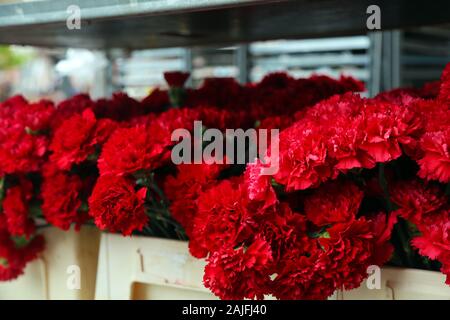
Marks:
<point>10,58</point>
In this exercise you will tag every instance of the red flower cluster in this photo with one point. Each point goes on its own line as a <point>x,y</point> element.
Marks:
<point>16,209</point>
<point>429,209</point>
<point>116,206</point>
<point>77,138</point>
<point>14,254</point>
<point>23,142</point>
<point>348,168</point>
<point>332,246</point>
<point>343,133</point>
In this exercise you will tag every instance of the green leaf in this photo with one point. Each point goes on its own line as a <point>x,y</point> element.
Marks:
<point>20,242</point>
<point>4,262</point>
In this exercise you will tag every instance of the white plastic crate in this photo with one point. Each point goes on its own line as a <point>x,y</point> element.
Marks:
<point>148,268</point>
<point>402,284</point>
<point>47,277</point>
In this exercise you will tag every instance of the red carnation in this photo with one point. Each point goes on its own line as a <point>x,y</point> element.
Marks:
<point>129,150</point>
<point>16,210</point>
<point>303,158</point>
<point>116,206</point>
<point>21,151</point>
<point>13,259</point>
<point>333,202</point>
<point>156,101</point>
<point>258,185</point>
<point>36,117</point>
<point>382,226</point>
<point>434,242</point>
<point>301,276</point>
<point>176,79</point>
<point>11,264</point>
<point>435,163</point>
<point>349,248</point>
<point>77,137</point>
<point>120,107</point>
<point>60,192</point>
<point>285,230</point>
<point>71,106</point>
<point>415,200</point>
<point>184,189</point>
<point>222,219</point>
<point>239,273</point>
<point>220,92</point>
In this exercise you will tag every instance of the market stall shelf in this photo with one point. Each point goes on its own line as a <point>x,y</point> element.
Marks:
<point>167,23</point>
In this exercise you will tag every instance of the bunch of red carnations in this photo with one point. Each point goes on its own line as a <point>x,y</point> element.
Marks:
<point>360,182</point>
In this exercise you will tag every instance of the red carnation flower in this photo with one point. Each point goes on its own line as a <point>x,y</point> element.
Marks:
<point>415,200</point>
<point>435,240</point>
<point>36,117</point>
<point>239,273</point>
<point>156,101</point>
<point>303,277</point>
<point>129,150</point>
<point>176,118</point>
<point>69,107</point>
<point>61,201</point>
<point>382,226</point>
<point>258,185</point>
<point>11,264</point>
<point>276,122</point>
<point>222,219</point>
<point>21,152</point>
<point>303,158</point>
<point>16,210</point>
<point>285,230</point>
<point>334,202</point>
<point>14,259</point>
<point>184,189</point>
<point>120,107</point>
<point>349,248</point>
<point>225,93</point>
<point>176,78</point>
<point>116,206</point>
<point>435,163</point>
<point>77,138</point>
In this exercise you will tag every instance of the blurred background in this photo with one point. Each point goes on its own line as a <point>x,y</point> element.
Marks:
<point>410,58</point>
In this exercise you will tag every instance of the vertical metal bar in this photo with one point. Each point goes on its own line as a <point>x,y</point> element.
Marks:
<point>113,71</point>
<point>396,58</point>
<point>187,57</point>
<point>386,61</point>
<point>375,54</point>
<point>242,63</point>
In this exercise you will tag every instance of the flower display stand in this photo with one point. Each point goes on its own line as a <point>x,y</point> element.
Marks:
<point>148,268</point>
<point>49,277</point>
<point>402,284</point>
